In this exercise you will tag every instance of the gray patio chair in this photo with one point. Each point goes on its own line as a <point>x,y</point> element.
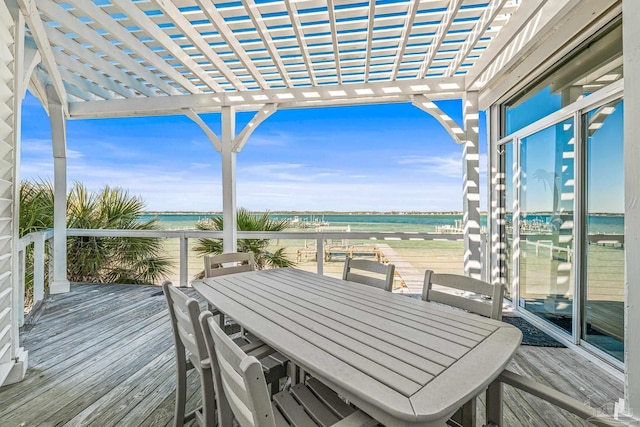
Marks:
<point>493,309</point>
<point>242,393</point>
<point>223,264</point>
<point>487,302</point>
<point>218,265</point>
<point>191,353</point>
<point>383,273</point>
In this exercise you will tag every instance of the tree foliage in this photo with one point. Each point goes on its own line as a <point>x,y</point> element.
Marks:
<point>247,221</point>
<point>138,260</point>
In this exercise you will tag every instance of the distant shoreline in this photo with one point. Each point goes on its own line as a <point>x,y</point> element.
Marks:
<point>398,213</point>
<point>313,213</point>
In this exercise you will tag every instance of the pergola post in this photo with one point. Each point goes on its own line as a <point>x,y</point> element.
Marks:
<point>630,37</point>
<point>229,208</point>
<point>471,186</point>
<point>228,146</point>
<point>495,210</point>
<point>60,282</point>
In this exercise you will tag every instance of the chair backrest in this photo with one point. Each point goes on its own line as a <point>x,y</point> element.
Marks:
<point>370,266</point>
<point>214,265</point>
<point>241,389</point>
<point>492,309</point>
<point>184,312</point>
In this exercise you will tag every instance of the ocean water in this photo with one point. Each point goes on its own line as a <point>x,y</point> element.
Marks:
<point>607,224</point>
<point>356,222</point>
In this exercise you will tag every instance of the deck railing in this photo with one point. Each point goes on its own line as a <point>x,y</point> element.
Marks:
<point>320,246</point>
<point>37,273</point>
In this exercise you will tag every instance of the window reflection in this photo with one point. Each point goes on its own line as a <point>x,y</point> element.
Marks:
<point>546,223</point>
<point>603,324</point>
<point>594,65</point>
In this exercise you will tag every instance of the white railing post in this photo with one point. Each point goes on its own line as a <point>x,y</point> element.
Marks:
<point>21,283</point>
<point>184,260</point>
<point>320,253</point>
<point>38,266</point>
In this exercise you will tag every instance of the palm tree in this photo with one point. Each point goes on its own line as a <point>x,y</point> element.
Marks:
<point>134,260</point>
<point>247,221</point>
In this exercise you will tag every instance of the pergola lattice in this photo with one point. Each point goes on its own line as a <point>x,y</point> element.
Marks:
<point>247,53</point>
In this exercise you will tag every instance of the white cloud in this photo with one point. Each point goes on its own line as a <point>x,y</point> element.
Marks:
<point>287,172</point>
<point>43,148</point>
<point>449,166</point>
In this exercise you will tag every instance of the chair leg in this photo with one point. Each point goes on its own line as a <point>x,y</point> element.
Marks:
<point>494,404</point>
<point>465,416</point>
<point>181,391</point>
<point>208,398</point>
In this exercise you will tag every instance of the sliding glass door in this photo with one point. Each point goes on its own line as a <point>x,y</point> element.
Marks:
<point>603,294</point>
<point>546,223</point>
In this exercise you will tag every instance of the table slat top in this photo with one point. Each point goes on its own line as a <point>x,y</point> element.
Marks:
<point>382,350</point>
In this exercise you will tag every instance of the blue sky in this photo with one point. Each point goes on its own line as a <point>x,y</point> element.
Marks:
<point>367,158</point>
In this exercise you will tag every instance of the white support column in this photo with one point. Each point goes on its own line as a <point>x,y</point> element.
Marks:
<point>60,282</point>
<point>229,221</point>
<point>228,146</point>
<point>471,189</point>
<point>630,37</point>
<point>495,192</point>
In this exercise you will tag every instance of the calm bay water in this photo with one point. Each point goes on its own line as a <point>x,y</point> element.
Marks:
<point>379,222</point>
<point>362,222</point>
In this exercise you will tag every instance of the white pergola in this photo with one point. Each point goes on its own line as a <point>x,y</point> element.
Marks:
<point>122,58</point>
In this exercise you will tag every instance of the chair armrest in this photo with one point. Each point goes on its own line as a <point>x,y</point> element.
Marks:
<point>555,397</point>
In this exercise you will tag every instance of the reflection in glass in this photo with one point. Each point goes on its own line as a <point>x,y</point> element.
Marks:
<point>546,223</point>
<point>603,324</point>
<point>592,66</point>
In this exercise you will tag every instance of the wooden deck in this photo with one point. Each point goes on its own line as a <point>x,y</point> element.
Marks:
<point>102,355</point>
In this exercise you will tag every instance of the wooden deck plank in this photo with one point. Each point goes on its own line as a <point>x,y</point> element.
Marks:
<point>103,355</point>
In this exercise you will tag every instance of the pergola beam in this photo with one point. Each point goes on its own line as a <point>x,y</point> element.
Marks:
<point>370,23</point>
<point>101,81</point>
<point>489,14</point>
<point>404,37</point>
<point>144,22</point>
<point>227,35</point>
<point>131,41</point>
<point>346,94</point>
<point>34,21</point>
<point>519,20</point>
<point>254,14</point>
<point>127,86</point>
<point>183,24</point>
<point>89,90</point>
<point>70,23</point>
<point>302,44</point>
<point>334,37</point>
<point>441,33</point>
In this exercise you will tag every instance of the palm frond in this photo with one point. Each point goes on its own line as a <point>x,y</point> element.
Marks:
<point>246,221</point>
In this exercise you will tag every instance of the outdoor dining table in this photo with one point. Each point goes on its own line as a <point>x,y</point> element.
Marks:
<point>404,361</point>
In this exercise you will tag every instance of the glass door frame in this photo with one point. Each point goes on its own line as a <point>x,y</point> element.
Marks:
<point>575,110</point>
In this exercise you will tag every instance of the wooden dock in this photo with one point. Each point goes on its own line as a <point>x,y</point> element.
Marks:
<point>102,355</point>
<point>411,277</point>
